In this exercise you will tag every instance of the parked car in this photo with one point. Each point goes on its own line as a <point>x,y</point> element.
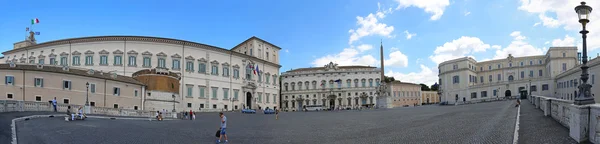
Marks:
<point>248,111</point>
<point>269,111</point>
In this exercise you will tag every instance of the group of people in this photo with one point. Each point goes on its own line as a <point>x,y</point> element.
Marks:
<point>80,114</point>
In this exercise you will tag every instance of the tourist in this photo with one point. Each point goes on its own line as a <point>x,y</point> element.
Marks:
<point>276,113</point>
<point>54,104</point>
<point>194,116</point>
<point>157,115</point>
<point>191,114</point>
<point>518,103</point>
<point>223,127</point>
<point>69,113</point>
<point>80,112</point>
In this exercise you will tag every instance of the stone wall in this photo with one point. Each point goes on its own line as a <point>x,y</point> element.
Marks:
<point>20,106</point>
<point>583,121</point>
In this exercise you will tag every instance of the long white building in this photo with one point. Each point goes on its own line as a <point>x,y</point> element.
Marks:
<point>212,78</point>
<point>554,74</point>
<point>330,86</point>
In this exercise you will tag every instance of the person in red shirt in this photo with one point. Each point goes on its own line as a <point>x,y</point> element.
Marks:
<point>191,113</point>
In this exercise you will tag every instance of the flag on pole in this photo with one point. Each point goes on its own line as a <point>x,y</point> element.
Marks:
<point>322,84</point>
<point>34,21</point>
<point>27,29</point>
<point>338,81</point>
<point>255,70</point>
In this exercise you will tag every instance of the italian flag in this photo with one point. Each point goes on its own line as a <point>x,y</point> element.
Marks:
<point>35,20</point>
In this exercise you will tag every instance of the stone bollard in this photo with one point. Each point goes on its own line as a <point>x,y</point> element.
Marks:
<point>578,123</point>
<point>546,106</point>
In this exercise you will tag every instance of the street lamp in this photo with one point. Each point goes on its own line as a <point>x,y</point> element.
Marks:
<point>530,87</point>
<point>87,102</point>
<point>173,103</point>
<point>584,97</point>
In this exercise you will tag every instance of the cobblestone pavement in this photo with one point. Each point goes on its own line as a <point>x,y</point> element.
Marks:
<point>477,123</point>
<point>536,128</point>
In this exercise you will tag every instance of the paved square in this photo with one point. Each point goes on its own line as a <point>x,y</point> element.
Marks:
<point>476,123</point>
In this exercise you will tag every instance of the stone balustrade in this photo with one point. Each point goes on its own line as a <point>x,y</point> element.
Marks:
<point>583,121</point>
<point>20,106</point>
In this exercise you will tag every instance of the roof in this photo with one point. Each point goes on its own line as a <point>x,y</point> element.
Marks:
<point>399,82</point>
<point>71,71</point>
<point>323,68</point>
<point>137,38</point>
<point>254,37</point>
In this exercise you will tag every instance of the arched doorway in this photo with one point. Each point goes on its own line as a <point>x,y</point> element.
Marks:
<point>249,100</point>
<point>507,93</point>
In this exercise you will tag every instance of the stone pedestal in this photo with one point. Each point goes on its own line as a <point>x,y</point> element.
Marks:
<point>578,124</point>
<point>547,107</point>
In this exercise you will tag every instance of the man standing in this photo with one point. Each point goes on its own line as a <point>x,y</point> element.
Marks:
<point>54,104</point>
<point>223,127</point>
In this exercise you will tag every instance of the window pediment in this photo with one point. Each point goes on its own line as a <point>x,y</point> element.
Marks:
<point>236,66</point>
<point>118,52</point>
<point>202,60</point>
<point>64,54</point>
<point>75,53</point>
<point>161,54</point>
<point>52,55</point>
<point>176,56</point>
<point>31,57</point>
<point>214,62</point>
<point>189,58</point>
<point>146,53</point>
<point>89,52</point>
<point>104,52</point>
<point>132,52</point>
<point>225,64</point>
<point>41,56</point>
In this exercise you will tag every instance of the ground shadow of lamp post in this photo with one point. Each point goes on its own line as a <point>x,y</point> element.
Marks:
<point>584,97</point>
<point>87,102</point>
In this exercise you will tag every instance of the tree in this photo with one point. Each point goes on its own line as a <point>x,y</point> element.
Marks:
<point>424,87</point>
<point>388,79</point>
<point>435,87</point>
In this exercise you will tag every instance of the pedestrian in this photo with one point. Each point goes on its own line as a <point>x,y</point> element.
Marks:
<point>54,104</point>
<point>194,116</point>
<point>276,114</point>
<point>518,103</point>
<point>223,127</point>
<point>191,115</point>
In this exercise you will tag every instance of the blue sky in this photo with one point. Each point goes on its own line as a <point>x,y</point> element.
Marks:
<point>312,33</point>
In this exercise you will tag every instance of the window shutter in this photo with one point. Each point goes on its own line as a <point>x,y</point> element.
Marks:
<point>69,85</point>
<point>5,79</point>
<point>42,82</point>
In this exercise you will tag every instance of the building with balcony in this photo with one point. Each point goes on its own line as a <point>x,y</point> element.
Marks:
<point>330,86</point>
<point>212,78</point>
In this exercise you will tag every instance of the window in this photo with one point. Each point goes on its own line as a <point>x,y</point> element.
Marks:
<point>499,77</point>
<point>235,94</point>
<point>484,94</point>
<point>521,63</point>
<point>116,91</point>
<point>499,66</point>
<point>454,66</point>
<point>135,107</point>
<point>104,60</point>
<point>135,93</point>
<point>9,96</point>
<point>41,61</point>
<point>530,73</point>
<point>63,61</point>
<point>201,90</point>
<point>260,77</point>
<point>116,106</point>
<point>118,60</point>
<point>189,105</point>
<point>89,60</point>
<point>31,61</point>
<point>274,98</point>
<point>251,52</point>
<point>189,91</point>
<point>189,66</point>
<point>147,62</point>
<point>544,87</point>
<point>66,85</point>
<point>564,66</point>
<point>214,106</point>
<point>540,73</point>
<point>564,54</point>
<point>474,95</point>
<point>259,97</point>
<point>214,70</point>
<point>52,61</point>
<point>489,67</point>
<point>522,74</point>
<point>226,71</point>
<point>480,68</point>
<point>539,61</point>
<point>511,78</point>
<point>490,78</point>
<point>363,83</point>
<point>162,63</point>
<point>92,88</point>
<point>509,64</point>
<point>249,72</point>
<point>274,80</point>
<point>201,67</point>
<point>214,92</point>
<point>455,80</point>
<point>39,82</point>
<point>267,80</point>
<point>481,79</point>
<point>201,105</point>
<point>533,88</point>
<point>267,97</point>
<point>267,55</point>
<point>225,94</point>
<point>236,73</point>
<point>66,101</point>
<point>132,61</point>
<point>176,64</point>
<point>530,62</point>
<point>495,92</point>
<point>92,103</point>
<point>38,98</point>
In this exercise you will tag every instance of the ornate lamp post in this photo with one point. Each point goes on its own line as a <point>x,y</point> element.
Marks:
<point>87,102</point>
<point>584,97</point>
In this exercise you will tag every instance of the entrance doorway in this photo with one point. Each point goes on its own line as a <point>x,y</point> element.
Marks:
<point>507,93</point>
<point>332,104</point>
<point>249,100</point>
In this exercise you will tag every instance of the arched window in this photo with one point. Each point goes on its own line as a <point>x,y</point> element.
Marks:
<point>249,72</point>
<point>510,78</point>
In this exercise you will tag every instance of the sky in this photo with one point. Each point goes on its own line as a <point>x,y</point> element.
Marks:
<point>416,35</point>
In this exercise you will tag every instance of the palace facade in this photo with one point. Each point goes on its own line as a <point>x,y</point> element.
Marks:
<point>330,86</point>
<point>464,79</point>
<point>212,78</point>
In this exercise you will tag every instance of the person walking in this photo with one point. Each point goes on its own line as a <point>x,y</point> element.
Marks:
<point>223,127</point>
<point>54,104</point>
<point>191,114</point>
<point>276,114</point>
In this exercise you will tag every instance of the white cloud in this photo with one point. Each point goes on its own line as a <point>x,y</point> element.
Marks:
<point>397,59</point>
<point>565,16</point>
<point>536,24</point>
<point>435,7</point>
<point>287,51</point>
<point>369,26</point>
<point>518,47</point>
<point>467,13</point>
<point>409,35</point>
<point>547,42</point>
<point>364,47</point>
<point>349,56</point>
<point>464,46</point>
<point>418,61</point>
<point>568,41</point>
<point>427,76</point>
